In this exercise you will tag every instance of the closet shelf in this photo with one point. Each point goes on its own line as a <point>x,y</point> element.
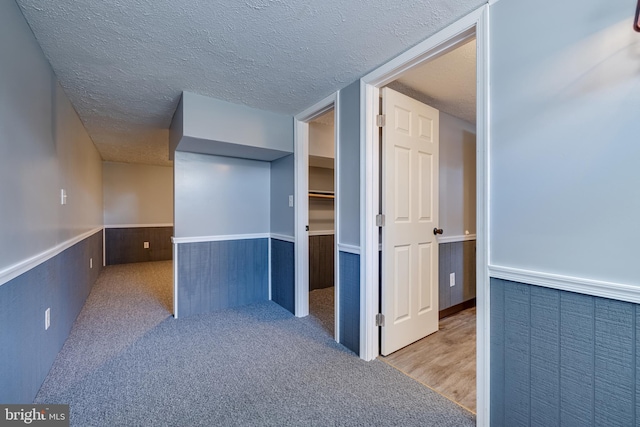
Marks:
<point>322,194</point>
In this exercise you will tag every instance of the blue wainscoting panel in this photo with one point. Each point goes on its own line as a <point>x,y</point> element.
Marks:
<point>218,275</point>
<point>615,364</point>
<point>562,359</point>
<point>62,284</point>
<point>517,357</point>
<point>545,356</point>
<point>350,301</point>
<point>577,330</point>
<point>283,274</point>
<point>496,343</point>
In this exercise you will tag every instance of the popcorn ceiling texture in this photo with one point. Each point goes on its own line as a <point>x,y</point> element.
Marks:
<point>124,63</point>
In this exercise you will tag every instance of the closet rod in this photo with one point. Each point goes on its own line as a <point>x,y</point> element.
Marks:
<point>322,196</point>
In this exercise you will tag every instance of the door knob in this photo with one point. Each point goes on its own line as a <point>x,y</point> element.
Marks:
<point>437,231</point>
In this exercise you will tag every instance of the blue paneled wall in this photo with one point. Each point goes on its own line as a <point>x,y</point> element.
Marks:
<point>222,274</point>
<point>282,223</point>
<point>283,274</point>
<point>349,215</point>
<point>350,301</point>
<point>562,359</point>
<point>27,351</point>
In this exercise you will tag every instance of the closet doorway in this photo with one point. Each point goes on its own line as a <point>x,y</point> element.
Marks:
<point>321,208</point>
<point>445,361</point>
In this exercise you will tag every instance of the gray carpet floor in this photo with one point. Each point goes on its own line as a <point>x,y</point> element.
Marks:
<point>128,362</point>
<point>321,308</point>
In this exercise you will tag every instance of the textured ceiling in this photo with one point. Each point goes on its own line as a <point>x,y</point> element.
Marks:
<point>447,83</point>
<point>124,63</point>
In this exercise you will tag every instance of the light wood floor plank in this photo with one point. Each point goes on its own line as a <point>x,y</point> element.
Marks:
<point>446,360</point>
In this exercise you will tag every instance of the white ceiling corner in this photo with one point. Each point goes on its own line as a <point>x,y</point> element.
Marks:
<point>124,63</point>
<point>447,83</point>
<point>327,118</point>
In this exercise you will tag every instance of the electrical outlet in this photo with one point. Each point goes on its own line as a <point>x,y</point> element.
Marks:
<point>146,245</point>
<point>63,197</point>
<point>291,200</point>
<point>452,279</point>
<point>90,262</point>
<point>47,318</point>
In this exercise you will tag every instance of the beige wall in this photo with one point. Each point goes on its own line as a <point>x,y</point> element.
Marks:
<point>321,140</point>
<point>457,176</point>
<point>321,152</point>
<point>137,194</point>
<point>321,211</point>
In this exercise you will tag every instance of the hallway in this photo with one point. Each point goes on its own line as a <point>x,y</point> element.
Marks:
<point>129,362</point>
<point>126,302</point>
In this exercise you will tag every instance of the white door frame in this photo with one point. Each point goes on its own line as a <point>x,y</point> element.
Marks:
<point>301,190</point>
<point>474,24</point>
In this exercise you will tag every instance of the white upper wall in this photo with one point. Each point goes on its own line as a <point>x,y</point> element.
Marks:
<point>348,165</point>
<point>137,194</point>
<point>45,148</point>
<point>282,186</point>
<point>211,126</point>
<point>565,103</point>
<point>457,176</point>
<point>218,196</point>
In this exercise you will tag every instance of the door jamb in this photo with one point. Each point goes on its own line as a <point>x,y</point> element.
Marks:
<point>301,188</point>
<point>476,23</point>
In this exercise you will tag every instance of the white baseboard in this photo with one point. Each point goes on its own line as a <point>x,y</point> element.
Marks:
<point>611,290</point>
<point>283,237</point>
<point>351,249</point>
<point>138,225</point>
<point>22,267</point>
<point>176,266</point>
<point>453,239</point>
<point>197,239</point>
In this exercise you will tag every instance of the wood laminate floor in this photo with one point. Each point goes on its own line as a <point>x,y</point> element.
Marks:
<point>446,360</point>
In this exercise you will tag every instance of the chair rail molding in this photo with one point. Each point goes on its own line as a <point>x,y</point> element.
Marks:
<point>599,288</point>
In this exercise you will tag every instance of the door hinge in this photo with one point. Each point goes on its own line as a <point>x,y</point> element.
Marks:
<point>380,220</point>
<point>379,319</point>
<point>380,120</point>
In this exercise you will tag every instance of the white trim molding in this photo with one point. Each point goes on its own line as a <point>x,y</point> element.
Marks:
<point>350,249</point>
<point>454,239</point>
<point>283,237</point>
<point>598,288</point>
<point>483,196</point>
<point>198,239</point>
<point>301,196</point>
<point>138,225</point>
<point>475,24</point>
<point>269,266</point>
<point>9,273</point>
<point>175,279</point>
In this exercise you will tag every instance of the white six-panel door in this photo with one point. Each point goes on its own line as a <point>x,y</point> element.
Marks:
<point>410,139</point>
